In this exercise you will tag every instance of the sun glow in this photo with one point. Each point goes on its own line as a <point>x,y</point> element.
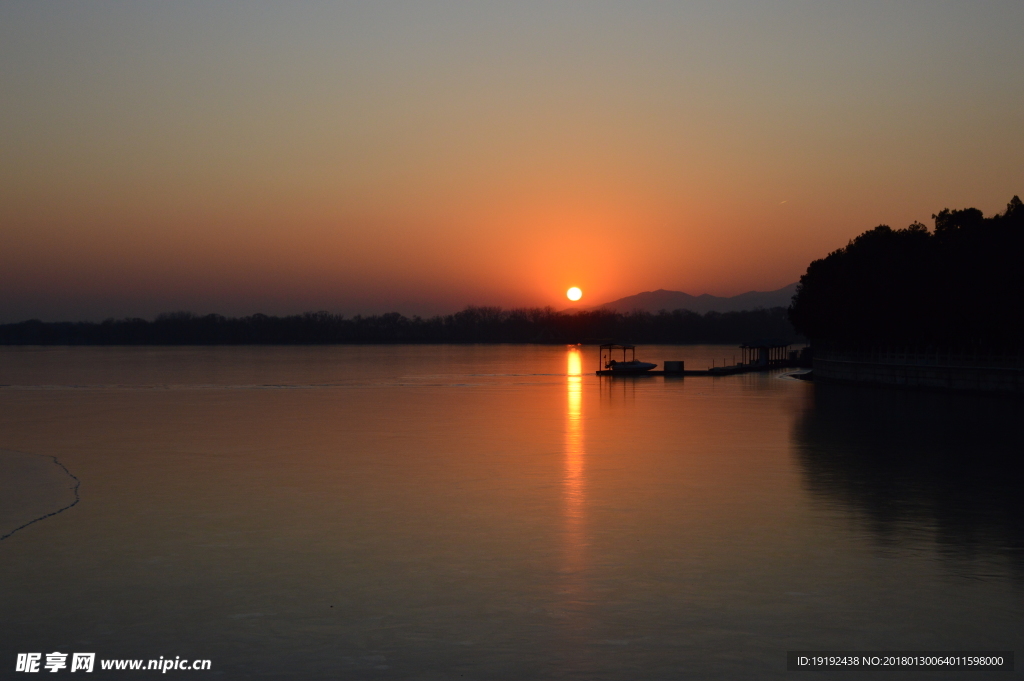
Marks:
<point>574,293</point>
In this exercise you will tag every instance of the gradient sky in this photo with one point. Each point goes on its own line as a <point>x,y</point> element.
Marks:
<point>278,157</point>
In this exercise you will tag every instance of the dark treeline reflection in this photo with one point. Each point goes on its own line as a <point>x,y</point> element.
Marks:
<point>948,466</point>
<point>472,325</point>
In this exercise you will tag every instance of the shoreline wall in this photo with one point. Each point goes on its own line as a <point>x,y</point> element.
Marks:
<point>936,371</point>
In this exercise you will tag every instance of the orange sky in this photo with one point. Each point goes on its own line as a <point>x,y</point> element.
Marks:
<point>418,157</point>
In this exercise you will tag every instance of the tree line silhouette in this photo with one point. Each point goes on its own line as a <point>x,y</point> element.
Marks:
<point>960,286</point>
<point>471,325</point>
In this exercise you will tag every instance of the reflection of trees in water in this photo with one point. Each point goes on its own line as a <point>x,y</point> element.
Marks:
<point>913,462</point>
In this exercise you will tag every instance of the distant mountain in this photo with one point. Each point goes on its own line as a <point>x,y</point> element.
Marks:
<point>653,301</point>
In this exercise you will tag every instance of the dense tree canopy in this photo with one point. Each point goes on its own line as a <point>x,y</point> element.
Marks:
<point>959,286</point>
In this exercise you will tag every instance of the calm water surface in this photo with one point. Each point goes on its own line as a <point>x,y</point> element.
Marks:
<point>496,512</point>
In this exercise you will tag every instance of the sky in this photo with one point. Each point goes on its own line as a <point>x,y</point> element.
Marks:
<point>418,157</point>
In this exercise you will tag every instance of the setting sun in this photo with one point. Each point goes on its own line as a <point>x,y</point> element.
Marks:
<point>574,293</point>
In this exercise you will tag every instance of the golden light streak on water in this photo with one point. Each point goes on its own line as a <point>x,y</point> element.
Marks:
<point>574,476</point>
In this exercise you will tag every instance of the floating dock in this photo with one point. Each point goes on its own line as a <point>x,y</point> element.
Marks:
<point>759,356</point>
<point>714,371</point>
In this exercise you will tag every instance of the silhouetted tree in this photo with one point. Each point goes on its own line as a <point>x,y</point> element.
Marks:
<point>960,286</point>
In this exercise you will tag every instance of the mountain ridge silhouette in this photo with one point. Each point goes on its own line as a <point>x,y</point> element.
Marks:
<point>662,299</point>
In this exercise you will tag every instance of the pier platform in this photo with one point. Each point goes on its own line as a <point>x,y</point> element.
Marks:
<point>715,371</point>
<point>765,355</point>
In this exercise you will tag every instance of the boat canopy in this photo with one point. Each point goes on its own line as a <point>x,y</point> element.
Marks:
<point>608,349</point>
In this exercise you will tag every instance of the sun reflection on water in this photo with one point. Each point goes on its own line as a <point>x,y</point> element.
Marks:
<point>574,481</point>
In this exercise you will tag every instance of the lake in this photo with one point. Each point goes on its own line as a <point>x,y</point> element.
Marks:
<point>494,512</point>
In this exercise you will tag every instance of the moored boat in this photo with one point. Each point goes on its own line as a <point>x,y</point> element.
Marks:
<point>631,367</point>
<point>621,366</point>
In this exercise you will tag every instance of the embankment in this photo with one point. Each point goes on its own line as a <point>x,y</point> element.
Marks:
<point>965,372</point>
